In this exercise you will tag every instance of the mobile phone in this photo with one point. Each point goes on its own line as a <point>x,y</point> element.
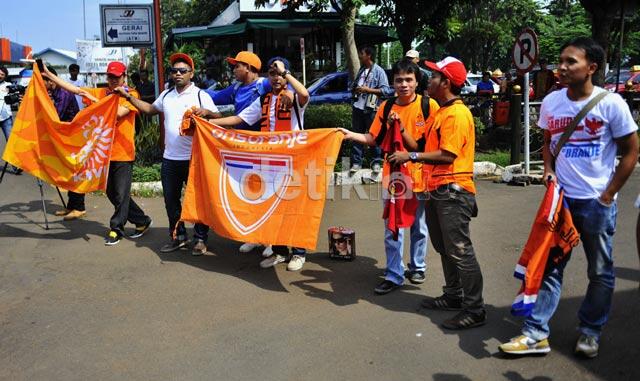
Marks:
<point>40,64</point>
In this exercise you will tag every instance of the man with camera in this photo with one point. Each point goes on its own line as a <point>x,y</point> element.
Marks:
<point>6,118</point>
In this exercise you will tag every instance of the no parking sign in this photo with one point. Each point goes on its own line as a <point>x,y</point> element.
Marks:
<point>525,51</point>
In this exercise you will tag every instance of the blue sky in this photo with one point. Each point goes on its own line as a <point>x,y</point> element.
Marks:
<point>52,24</point>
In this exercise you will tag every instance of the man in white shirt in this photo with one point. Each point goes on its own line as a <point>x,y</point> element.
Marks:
<point>272,116</point>
<point>585,167</point>
<point>74,70</point>
<point>6,117</point>
<point>172,103</point>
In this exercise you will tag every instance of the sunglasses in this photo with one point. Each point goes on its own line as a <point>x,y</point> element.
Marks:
<point>111,76</point>
<point>181,70</point>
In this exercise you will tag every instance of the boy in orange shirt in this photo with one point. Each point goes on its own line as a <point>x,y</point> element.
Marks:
<point>448,172</point>
<point>122,154</point>
<point>408,110</point>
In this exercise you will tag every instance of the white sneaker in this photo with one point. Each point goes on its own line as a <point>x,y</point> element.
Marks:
<point>268,251</point>
<point>247,247</point>
<point>296,263</point>
<point>272,261</point>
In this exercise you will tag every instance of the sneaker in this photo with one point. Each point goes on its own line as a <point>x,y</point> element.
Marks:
<point>272,261</point>
<point>247,247</point>
<point>442,303</point>
<point>415,277</point>
<point>465,319</point>
<point>385,287</point>
<point>74,214</point>
<point>267,252</point>
<point>199,248</point>
<point>176,244</point>
<point>112,238</point>
<point>141,229</point>
<point>355,168</point>
<point>587,346</point>
<point>62,212</point>
<point>524,345</point>
<point>296,262</point>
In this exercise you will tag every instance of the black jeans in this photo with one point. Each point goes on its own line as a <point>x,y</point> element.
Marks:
<point>76,201</point>
<point>174,175</point>
<point>119,193</point>
<point>448,214</point>
<point>360,123</point>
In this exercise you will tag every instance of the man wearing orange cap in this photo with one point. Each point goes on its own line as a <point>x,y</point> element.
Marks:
<point>122,153</point>
<point>448,173</point>
<point>173,103</point>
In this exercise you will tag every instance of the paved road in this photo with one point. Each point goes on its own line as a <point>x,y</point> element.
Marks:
<point>74,309</point>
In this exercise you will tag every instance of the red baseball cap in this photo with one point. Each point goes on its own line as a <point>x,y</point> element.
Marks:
<point>116,68</point>
<point>181,57</point>
<point>450,67</point>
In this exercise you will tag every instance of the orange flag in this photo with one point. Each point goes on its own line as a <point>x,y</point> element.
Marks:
<point>259,187</point>
<point>71,155</point>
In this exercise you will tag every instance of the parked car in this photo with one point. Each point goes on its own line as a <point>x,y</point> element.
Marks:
<point>334,88</point>
<point>471,84</point>
<point>626,75</point>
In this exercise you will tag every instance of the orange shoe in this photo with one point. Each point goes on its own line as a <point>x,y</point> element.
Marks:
<point>74,214</point>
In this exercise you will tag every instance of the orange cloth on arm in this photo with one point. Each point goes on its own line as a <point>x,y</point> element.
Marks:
<point>453,131</point>
<point>124,148</point>
<point>414,124</point>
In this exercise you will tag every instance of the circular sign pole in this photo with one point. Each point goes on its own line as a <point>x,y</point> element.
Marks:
<point>525,56</point>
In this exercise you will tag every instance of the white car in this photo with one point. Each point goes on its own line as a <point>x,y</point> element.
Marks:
<point>471,84</point>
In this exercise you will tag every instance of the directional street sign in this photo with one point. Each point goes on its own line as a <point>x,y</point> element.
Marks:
<point>525,50</point>
<point>126,25</point>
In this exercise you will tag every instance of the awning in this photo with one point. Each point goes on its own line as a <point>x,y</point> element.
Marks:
<point>372,34</point>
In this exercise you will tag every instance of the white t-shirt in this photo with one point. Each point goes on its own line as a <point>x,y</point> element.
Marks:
<point>79,83</point>
<point>363,80</point>
<point>586,163</point>
<point>5,109</point>
<point>253,113</point>
<point>173,106</point>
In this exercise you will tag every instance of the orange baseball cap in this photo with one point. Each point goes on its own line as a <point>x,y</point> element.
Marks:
<point>116,68</point>
<point>181,57</point>
<point>247,58</point>
<point>450,67</point>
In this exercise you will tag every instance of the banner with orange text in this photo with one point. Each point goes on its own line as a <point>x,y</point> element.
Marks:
<point>71,155</point>
<point>260,187</point>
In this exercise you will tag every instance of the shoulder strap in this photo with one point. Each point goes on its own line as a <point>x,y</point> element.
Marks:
<point>167,92</point>
<point>199,99</point>
<point>295,109</point>
<point>574,123</point>
<point>426,107</point>
<point>383,122</point>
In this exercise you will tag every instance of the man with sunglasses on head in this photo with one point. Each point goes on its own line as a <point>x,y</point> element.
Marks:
<point>173,103</point>
<point>122,153</point>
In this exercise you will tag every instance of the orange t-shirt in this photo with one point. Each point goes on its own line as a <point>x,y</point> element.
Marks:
<point>414,123</point>
<point>124,148</point>
<point>452,130</point>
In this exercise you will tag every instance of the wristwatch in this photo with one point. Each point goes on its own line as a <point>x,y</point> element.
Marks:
<point>284,73</point>
<point>413,156</point>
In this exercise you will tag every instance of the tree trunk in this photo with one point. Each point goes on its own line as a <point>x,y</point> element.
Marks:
<point>348,16</point>
<point>600,30</point>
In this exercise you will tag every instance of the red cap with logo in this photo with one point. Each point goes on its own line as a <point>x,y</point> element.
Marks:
<point>450,67</point>
<point>116,68</point>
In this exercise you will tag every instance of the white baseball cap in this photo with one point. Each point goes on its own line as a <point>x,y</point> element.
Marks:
<point>412,54</point>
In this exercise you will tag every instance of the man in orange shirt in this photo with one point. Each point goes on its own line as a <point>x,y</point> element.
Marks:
<point>448,172</point>
<point>407,108</point>
<point>122,154</point>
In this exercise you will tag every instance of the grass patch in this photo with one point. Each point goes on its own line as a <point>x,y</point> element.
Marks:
<point>146,174</point>
<point>501,158</point>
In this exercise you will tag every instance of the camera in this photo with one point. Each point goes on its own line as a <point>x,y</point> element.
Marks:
<point>14,92</point>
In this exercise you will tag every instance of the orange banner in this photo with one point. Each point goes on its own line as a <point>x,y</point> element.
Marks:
<point>260,187</point>
<point>71,155</point>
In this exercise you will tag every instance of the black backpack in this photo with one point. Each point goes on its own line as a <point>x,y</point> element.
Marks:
<point>387,109</point>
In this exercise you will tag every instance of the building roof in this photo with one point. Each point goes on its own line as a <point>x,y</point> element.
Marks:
<point>67,53</point>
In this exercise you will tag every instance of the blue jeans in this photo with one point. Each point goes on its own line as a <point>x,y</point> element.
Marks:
<point>419,236</point>
<point>361,122</point>
<point>174,175</point>
<point>6,126</point>
<point>596,224</point>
